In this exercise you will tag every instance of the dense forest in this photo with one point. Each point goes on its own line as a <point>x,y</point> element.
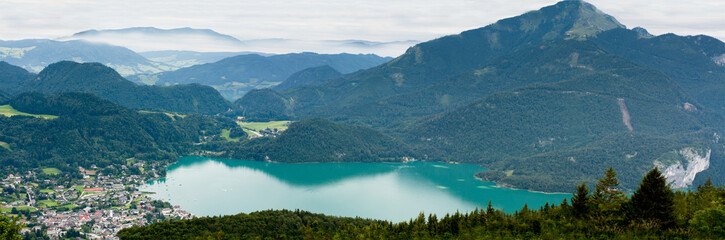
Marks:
<point>319,140</point>
<point>67,76</point>
<point>263,105</point>
<point>308,76</point>
<point>92,131</point>
<point>653,211</point>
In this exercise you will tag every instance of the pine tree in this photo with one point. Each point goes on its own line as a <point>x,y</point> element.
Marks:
<point>580,200</point>
<point>606,190</point>
<point>653,201</point>
<point>607,199</point>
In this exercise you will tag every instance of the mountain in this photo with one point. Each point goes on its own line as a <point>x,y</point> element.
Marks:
<point>279,45</point>
<point>144,39</point>
<point>432,62</point>
<point>577,125</point>
<point>321,140</point>
<point>544,100</point>
<point>308,76</point>
<point>4,96</point>
<point>91,131</point>
<point>264,105</point>
<point>181,59</point>
<point>235,76</point>
<point>149,39</point>
<point>36,54</point>
<point>66,76</point>
<point>691,61</point>
<point>13,77</point>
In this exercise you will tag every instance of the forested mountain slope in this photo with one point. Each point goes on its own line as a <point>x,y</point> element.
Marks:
<point>430,63</point>
<point>92,131</point>
<point>308,76</point>
<point>321,140</point>
<point>103,81</point>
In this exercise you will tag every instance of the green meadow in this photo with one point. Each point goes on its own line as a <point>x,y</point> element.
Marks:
<point>51,171</point>
<point>171,115</point>
<point>258,126</point>
<point>225,135</point>
<point>9,111</point>
<point>47,203</point>
<point>5,145</point>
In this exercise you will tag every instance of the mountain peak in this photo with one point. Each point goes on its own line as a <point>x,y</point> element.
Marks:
<point>567,19</point>
<point>588,20</point>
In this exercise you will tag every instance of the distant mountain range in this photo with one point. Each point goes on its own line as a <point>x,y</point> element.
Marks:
<point>146,39</point>
<point>181,59</point>
<point>67,76</point>
<point>544,100</point>
<point>36,54</point>
<point>234,76</point>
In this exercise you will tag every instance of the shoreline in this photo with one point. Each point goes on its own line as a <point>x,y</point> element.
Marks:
<point>503,185</point>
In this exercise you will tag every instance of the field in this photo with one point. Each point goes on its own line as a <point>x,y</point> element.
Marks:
<point>79,188</point>
<point>258,126</point>
<point>47,191</point>
<point>8,111</point>
<point>47,203</point>
<point>171,115</point>
<point>51,171</point>
<point>5,145</point>
<point>7,210</point>
<point>225,135</point>
<point>69,206</point>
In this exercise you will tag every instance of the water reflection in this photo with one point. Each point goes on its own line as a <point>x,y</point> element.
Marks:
<point>388,191</point>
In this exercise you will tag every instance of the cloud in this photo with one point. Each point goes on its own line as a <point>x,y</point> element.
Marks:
<point>375,20</point>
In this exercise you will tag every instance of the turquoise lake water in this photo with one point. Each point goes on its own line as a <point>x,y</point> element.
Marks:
<point>389,191</point>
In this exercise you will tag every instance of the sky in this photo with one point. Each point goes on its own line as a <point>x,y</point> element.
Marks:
<point>374,20</point>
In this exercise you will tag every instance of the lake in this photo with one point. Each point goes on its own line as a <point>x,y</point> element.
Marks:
<point>388,191</point>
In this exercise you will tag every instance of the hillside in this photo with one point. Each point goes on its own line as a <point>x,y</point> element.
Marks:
<point>308,76</point>
<point>103,81</point>
<point>264,224</point>
<point>234,76</point>
<point>90,130</point>
<point>263,105</point>
<point>13,77</point>
<point>36,54</point>
<point>691,61</point>
<point>4,96</point>
<point>433,62</point>
<point>321,140</point>
<point>182,59</point>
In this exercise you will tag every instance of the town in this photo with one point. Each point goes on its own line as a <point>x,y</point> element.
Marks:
<point>89,203</point>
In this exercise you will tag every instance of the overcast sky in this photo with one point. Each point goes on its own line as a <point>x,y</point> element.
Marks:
<point>376,20</point>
